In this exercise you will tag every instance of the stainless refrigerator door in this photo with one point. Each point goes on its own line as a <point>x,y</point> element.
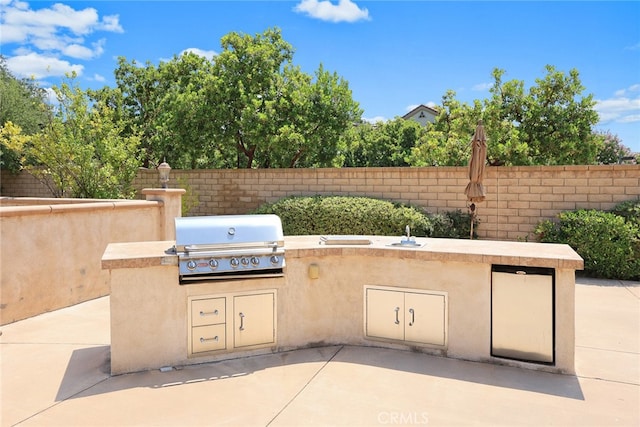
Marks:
<point>522,316</point>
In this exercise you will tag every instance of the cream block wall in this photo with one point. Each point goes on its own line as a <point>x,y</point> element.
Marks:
<point>517,197</point>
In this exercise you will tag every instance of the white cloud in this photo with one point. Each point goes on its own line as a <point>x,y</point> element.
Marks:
<point>632,118</point>
<point>37,66</point>
<point>624,107</point>
<point>47,21</point>
<point>46,35</point>
<point>481,87</point>
<point>110,23</point>
<point>209,54</point>
<point>325,10</point>
<point>374,120</point>
<point>98,78</point>
<point>429,104</point>
<point>633,47</point>
<point>82,52</point>
<point>77,51</point>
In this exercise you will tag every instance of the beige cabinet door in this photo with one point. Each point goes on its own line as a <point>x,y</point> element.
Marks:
<point>253,319</point>
<point>424,318</point>
<point>385,314</point>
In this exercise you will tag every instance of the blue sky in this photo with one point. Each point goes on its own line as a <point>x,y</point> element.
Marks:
<point>394,54</point>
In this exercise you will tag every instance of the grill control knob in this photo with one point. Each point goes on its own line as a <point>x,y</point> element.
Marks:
<point>245,262</point>
<point>234,262</point>
<point>213,264</point>
<point>191,265</point>
<point>255,261</point>
<point>275,259</point>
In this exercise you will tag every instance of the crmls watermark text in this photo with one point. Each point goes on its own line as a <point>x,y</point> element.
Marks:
<point>403,418</point>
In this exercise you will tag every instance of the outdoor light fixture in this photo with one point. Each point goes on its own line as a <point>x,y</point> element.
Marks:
<point>163,171</point>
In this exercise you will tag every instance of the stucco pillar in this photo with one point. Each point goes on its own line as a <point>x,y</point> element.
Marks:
<point>171,199</point>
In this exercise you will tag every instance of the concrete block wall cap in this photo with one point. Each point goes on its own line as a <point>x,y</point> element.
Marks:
<point>7,211</point>
<point>158,191</point>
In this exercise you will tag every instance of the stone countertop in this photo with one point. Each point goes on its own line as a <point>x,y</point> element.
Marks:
<point>139,255</point>
<point>550,255</point>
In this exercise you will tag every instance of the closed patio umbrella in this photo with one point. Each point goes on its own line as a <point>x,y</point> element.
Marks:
<point>475,191</point>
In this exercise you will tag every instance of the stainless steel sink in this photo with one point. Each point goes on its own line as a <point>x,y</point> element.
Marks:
<point>408,241</point>
<point>407,244</point>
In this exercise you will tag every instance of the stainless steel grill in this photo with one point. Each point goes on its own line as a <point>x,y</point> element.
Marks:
<point>229,246</point>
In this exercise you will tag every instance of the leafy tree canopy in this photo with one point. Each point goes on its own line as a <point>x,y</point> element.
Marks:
<point>551,123</point>
<point>80,152</point>
<point>23,103</point>
<point>249,107</point>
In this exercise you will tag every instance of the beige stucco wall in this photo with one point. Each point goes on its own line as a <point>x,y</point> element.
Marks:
<point>50,254</point>
<point>149,309</point>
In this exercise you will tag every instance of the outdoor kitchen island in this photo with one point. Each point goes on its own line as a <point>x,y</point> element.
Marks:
<point>437,296</point>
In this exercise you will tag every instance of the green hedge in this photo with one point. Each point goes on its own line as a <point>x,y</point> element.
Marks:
<point>310,215</point>
<point>609,242</point>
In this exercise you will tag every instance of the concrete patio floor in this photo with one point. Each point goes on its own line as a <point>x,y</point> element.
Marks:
<point>55,372</point>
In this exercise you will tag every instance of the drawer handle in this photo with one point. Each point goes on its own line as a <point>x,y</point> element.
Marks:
<point>203,340</point>
<point>241,321</point>
<point>209,313</point>
<point>397,310</point>
<point>413,317</point>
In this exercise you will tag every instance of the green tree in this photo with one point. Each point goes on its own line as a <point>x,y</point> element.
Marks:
<point>80,152</point>
<point>548,125</point>
<point>23,103</point>
<point>448,139</point>
<point>250,107</point>
<point>137,100</point>
<point>381,144</point>
<point>271,114</point>
<point>612,149</point>
<point>551,124</point>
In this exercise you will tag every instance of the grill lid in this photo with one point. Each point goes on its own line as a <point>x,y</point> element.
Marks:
<point>209,233</point>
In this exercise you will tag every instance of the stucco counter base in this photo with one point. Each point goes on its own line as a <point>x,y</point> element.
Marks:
<point>321,299</point>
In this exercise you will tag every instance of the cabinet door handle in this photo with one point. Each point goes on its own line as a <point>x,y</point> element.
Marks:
<point>202,340</point>
<point>413,317</point>
<point>241,321</point>
<point>397,310</point>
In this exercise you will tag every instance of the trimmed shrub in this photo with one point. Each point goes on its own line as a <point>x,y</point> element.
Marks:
<point>306,215</point>
<point>608,244</point>
<point>630,211</point>
<point>453,224</point>
<point>346,215</point>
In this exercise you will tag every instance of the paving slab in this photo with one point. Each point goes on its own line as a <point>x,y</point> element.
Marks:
<point>55,372</point>
<point>361,386</point>
<point>240,392</point>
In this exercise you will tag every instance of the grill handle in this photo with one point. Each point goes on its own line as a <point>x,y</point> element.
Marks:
<point>216,247</point>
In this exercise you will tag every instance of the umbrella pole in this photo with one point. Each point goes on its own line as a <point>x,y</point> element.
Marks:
<point>472,208</point>
<point>471,233</point>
